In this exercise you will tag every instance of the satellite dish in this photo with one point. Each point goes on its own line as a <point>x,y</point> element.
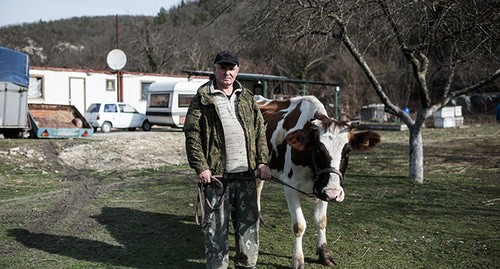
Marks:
<point>116,59</point>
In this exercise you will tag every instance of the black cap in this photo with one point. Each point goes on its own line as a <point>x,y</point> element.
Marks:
<point>226,57</point>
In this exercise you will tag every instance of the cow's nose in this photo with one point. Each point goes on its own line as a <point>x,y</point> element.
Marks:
<point>334,195</point>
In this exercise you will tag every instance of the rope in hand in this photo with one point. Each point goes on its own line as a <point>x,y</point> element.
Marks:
<point>201,199</point>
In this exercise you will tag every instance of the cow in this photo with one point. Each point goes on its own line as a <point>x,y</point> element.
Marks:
<point>309,152</point>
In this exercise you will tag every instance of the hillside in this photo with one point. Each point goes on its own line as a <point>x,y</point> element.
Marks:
<point>81,42</point>
<point>270,37</point>
<point>167,43</point>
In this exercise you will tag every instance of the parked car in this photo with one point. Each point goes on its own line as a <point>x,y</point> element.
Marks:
<point>108,115</point>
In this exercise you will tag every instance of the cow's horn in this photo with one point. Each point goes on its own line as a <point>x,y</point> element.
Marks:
<point>354,124</point>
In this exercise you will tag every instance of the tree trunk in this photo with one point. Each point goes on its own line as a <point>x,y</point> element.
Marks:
<point>416,154</point>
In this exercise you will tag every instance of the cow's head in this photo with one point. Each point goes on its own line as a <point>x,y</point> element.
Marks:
<point>326,145</point>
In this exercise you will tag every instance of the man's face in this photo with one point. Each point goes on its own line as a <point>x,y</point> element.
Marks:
<point>225,74</point>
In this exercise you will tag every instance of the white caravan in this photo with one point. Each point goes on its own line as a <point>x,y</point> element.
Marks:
<point>168,102</point>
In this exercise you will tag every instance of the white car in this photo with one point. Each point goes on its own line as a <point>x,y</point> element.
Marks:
<point>108,115</point>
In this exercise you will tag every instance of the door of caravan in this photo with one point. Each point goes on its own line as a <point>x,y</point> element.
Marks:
<point>183,101</point>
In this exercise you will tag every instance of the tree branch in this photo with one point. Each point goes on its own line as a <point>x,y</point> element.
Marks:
<point>476,86</point>
<point>449,81</point>
<point>389,106</point>
<point>418,60</point>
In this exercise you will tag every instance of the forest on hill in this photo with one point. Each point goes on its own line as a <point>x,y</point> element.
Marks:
<point>456,40</point>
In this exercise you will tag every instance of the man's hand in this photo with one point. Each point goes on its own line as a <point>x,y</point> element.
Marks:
<point>264,171</point>
<point>205,177</point>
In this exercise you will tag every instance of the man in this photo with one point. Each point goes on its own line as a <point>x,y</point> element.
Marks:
<point>225,136</point>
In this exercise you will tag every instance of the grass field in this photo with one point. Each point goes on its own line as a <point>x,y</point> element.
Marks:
<point>57,218</point>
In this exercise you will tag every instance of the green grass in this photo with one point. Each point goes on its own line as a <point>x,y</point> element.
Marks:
<point>145,219</point>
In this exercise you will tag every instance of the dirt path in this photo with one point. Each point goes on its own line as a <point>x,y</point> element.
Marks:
<point>127,150</point>
<point>74,160</point>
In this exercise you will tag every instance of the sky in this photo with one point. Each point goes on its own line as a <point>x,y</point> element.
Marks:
<point>29,11</point>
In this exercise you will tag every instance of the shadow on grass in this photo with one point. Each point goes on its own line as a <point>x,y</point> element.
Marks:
<point>143,240</point>
<point>381,177</point>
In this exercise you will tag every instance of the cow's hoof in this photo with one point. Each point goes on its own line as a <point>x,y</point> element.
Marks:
<point>325,256</point>
<point>297,264</point>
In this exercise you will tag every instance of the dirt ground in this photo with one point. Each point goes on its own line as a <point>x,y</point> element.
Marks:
<point>115,151</point>
<point>119,151</point>
<point>128,150</point>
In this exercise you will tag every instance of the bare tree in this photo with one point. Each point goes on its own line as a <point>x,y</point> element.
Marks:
<point>435,41</point>
<point>154,42</point>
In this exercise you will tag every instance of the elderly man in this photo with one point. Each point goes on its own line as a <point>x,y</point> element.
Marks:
<point>225,136</point>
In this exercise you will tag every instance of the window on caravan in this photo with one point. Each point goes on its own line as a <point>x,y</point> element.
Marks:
<point>36,87</point>
<point>144,89</point>
<point>185,99</point>
<point>159,100</point>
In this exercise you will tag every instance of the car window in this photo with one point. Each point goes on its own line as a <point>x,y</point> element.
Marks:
<point>127,108</point>
<point>93,108</point>
<point>110,108</point>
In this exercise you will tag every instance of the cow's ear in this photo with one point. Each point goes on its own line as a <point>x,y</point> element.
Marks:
<point>298,140</point>
<point>364,140</point>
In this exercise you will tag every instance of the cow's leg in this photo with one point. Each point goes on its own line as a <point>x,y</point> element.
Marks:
<point>260,186</point>
<point>320,218</point>
<point>298,226</point>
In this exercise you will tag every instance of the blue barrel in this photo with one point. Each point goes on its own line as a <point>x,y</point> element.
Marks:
<point>498,112</point>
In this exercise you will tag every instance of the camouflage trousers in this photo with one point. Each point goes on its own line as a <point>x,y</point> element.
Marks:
<point>238,198</point>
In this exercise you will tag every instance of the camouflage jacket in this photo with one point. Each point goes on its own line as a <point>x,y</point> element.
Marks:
<point>205,137</point>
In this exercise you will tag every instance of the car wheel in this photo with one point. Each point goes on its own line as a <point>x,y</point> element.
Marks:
<point>146,126</point>
<point>106,127</point>
<point>131,129</point>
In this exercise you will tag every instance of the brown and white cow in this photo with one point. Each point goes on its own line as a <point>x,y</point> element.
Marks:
<point>309,151</point>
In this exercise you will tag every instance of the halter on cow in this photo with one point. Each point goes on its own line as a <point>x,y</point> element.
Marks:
<point>310,152</point>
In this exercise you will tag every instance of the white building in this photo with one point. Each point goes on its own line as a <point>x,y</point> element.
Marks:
<point>80,87</point>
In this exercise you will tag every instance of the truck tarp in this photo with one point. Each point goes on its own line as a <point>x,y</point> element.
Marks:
<point>14,67</point>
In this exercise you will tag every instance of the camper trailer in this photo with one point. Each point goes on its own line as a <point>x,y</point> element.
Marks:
<point>168,102</point>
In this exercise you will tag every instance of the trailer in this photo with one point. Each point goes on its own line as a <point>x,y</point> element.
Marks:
<point>57,121</point>
<point>168,102</point>
<point>14,81</point>
<point>19,119</point>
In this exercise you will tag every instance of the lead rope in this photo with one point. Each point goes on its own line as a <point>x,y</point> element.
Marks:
<point>277,180</point>
<point>201,200</point>
<point>200,205</point>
